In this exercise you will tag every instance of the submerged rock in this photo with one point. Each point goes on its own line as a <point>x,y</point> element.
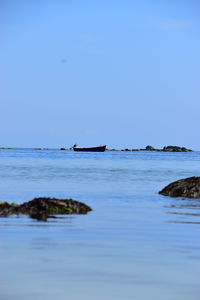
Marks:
<point>43,208</point>
<point>188,187</point>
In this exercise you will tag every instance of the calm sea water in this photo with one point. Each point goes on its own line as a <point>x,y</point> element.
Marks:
<point>135,244</point>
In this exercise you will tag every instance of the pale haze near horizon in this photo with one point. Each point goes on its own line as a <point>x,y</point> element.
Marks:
<point>120,73</point>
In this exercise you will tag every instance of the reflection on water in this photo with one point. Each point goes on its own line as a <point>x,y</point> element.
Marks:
<point>185,211</point>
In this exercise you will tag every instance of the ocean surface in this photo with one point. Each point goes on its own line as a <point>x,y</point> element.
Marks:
<point>135,244</point>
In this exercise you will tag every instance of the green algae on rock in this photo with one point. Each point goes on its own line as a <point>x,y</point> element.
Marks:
<point>43,208</point>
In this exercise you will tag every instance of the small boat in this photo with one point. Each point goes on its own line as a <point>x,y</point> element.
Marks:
<point>89,149</point>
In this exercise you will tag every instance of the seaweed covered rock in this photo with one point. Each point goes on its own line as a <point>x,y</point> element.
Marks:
<point>8,209</point>
<point>42,208</point>
<point>188,187</point>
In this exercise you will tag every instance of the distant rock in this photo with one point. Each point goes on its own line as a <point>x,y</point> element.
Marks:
<point>176,149</point>
<point>150,148</point>
<point>5,148</point>
<point>164,149</point>
<point>188,187</point>
<point>43,208</point>
<point>62,148</point>
<point>125,149</point>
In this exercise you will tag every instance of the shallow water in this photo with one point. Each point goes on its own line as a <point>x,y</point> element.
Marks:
<point>135,244</point>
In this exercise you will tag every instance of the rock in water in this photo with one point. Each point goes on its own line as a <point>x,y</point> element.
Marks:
<point>150,148</point>
<point>42,208</point>
<point>188,187</point>
<point>175,149</point>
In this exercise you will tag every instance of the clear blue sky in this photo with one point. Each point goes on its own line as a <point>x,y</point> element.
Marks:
<point>124,73</point>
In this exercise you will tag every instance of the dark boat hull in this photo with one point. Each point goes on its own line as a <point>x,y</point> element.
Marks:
<point>90,149</point>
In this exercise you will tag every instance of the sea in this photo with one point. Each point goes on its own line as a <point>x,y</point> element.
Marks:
<point>134,245</point>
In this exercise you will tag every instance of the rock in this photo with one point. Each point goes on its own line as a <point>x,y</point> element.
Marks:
<point>43,208</point>
<point>7,209</point>
<point>62,148</point>
<point>188,187</point>
<point>176,149</point>
<point>150,148</point>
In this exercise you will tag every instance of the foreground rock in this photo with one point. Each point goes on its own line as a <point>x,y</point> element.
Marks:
<point>43,208</point>
<point>188,187</point>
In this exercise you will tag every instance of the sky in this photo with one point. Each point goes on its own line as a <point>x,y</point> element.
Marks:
<point>116,72</point>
